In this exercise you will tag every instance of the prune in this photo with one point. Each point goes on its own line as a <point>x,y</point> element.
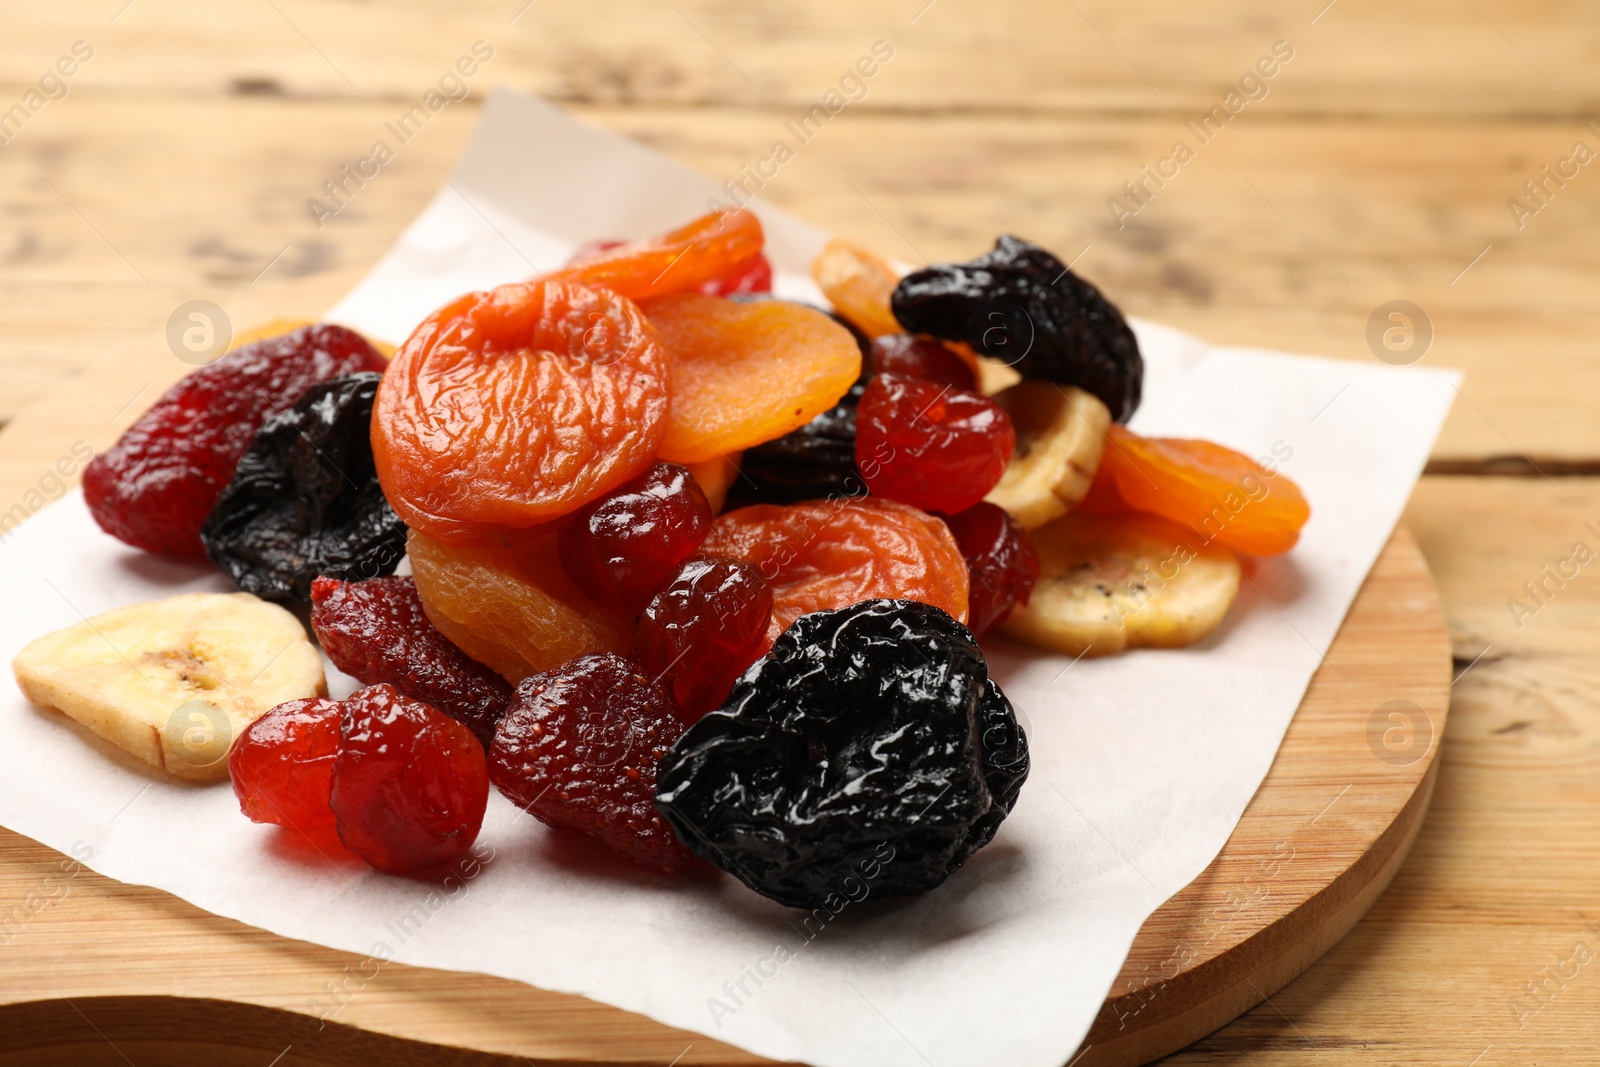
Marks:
<point>1021,305</point>
<point>924,358</point>
<point>826,554</point>
<point>154,488</point>
<point>578,749</point>
<point>869,755</point>
<point>305,500</point>
<point>817,460</point>
<point>621,548</point>
<point>1001,563</point>
<point>931,446</point>
<point>703,629</point>
<point>282,766</point>
<point>410,784</point>
<point>376,631</point>
<point>510,408</point>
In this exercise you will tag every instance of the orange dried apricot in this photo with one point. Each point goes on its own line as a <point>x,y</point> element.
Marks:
<point>1221,494</point>
<point>706,250</point>
<point>858,283</point>
<point>513,609</point>
<point>508,408</point>
<point>827,554</point>
<point>742,374</point>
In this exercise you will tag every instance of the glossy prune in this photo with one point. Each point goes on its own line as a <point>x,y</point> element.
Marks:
<point>818,460</point>
<point>154,488</point>
<point>869,748</point>
<point>578,749</point>
<point>1019,304</point>
<point>305,499</point>
<point>376,631</point>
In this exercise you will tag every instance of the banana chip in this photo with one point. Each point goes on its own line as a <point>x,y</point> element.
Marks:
<point>1061,432</point>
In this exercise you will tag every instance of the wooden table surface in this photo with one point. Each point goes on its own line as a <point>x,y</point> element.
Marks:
<point>1379,165</point>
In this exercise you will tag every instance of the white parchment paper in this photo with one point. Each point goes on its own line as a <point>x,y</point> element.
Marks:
<point>1142,763</point>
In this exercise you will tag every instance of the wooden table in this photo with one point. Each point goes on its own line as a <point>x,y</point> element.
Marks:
<point>1378,166</point>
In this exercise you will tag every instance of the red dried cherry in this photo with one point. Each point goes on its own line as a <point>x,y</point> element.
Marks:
<point>930,446</point>
<point>154,488</point>
<point>282,766</point>
<point>410,784</point>
<point>922,358</point>
<point>754,275</point>
<point>1000,559</point>
<point>703,629</point>
<point>578,749</point>
<point>376,631</point>
<point>620,548</point>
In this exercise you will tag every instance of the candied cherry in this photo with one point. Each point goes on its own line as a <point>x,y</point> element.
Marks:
<point>922,358</point>
<point>745,372</point>
<point>377,631</point>
<point>1001,563</point>
<point>703,629</point>
<point>282,766</point>
<point>708,249</point>
<point>621,547</point>
<point>1221,494</point>
<point>410,784</point>
<point>510,408</point>
<point>512,607</point>
<point>155,487</point>
<point>931,446</point>
<point>578,749</point>
<point>827,554</point>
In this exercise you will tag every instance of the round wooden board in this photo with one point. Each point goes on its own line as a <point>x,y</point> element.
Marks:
<point>108,973</point>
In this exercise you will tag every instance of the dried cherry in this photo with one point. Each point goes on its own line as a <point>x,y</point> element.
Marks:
<point>578,749</point>
<point>753,276</point>
<point>376,631</point>
<point>1001,563</point>
<point>410,784</point>
<point>703,629</point>
<point>282,766</point>
<point>513,407</point>
<point>622,547</point>
<point>305,499</point>
<point>931,446</point>
<point>1019,304</point>
<point>922,358</point>
<point>154,488</point>
<point>869,755</point>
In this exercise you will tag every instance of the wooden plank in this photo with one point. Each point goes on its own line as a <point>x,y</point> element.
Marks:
<point>1352,57</point>
<point>1286,235</point>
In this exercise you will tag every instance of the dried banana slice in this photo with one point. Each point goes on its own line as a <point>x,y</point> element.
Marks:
<point>1107,583</point>
<point>1061,432</point>
<point>174,681</point>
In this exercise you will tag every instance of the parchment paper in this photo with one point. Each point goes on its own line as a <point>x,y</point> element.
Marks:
<point>1142,763</point>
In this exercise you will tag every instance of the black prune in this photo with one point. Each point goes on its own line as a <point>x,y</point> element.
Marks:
<point>305,500</point>
<point>869,747</point>
<point>817,460</point>
<point>1020,304</point>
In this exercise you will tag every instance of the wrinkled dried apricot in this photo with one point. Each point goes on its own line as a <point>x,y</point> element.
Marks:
<point>744,373</point>
<point>1221,494</point>
<point>709,249</point>
<point>859,284</point>
<point>514,608</point>
<point>511,407</point>
<point>827,554</point>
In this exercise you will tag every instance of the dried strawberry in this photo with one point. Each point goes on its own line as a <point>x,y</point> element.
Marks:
<point>410,784</point>
<point>376,631</point>
<point>578,749</point>
<point>154,488</point>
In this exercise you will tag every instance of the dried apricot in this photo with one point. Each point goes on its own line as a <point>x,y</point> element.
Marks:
<point>827,554</point>
<point>1221,494</point>
<point>513,609</point>
<point>744,373</point>
<point>709,249</point>
<point>859,284</point>
<point>511,407</point>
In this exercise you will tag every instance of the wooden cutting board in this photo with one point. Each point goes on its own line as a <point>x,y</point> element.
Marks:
<point>100,972</point>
